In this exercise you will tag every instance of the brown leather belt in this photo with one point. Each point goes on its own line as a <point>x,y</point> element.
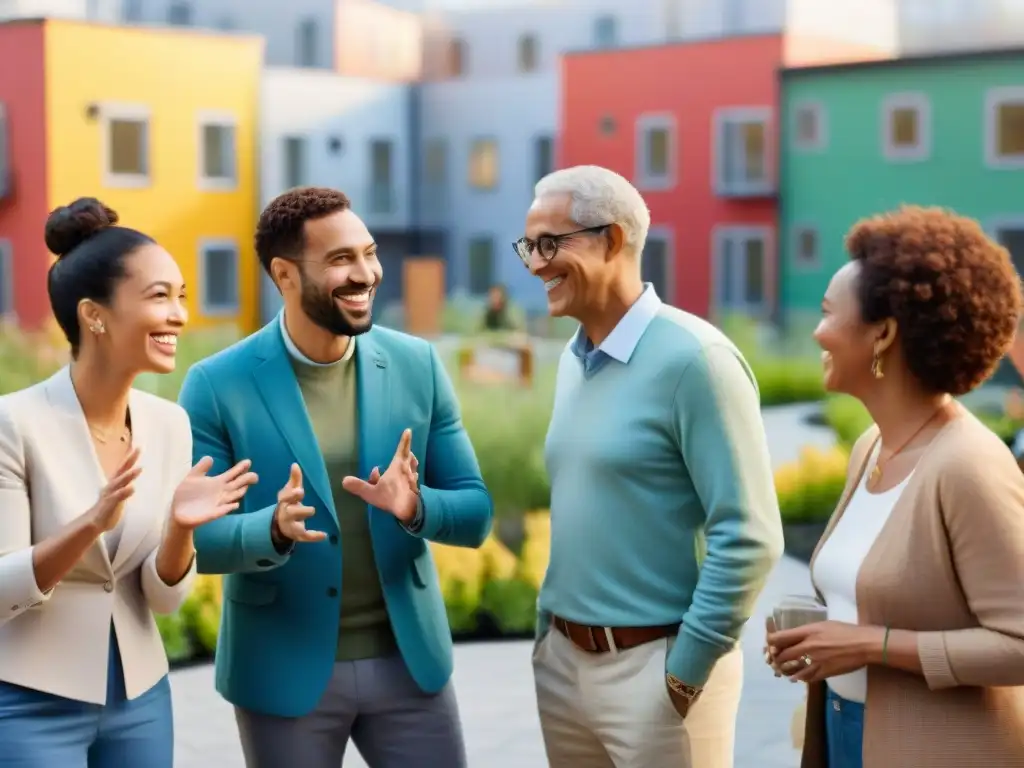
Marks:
<point>595,639</point>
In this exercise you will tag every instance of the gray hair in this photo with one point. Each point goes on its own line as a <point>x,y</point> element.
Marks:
<point>600,196</point>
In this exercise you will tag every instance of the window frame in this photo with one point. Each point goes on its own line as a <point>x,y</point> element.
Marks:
<point>7,296</point>
<point>601,24</point>
<point>645,124</point>
<point>725,116</point>
<point>139,113</point>
<point>205,119</point>
<point>796,234</point>
<point>431,144</point>
<point>820,142</point>
<point>470,242</point>
<point>219,244</point>
<point>997,224</point>
<point>667,235</point>
<point>743,232</point>
<point>994,99</point>
<point>306,142</point>
<point>527,43</point>
<point>304,24</point>
<point>189,10</point>
<point>390,203</point>
<point>535,156</point>
<point>473,143</point>
<point>919,103</point>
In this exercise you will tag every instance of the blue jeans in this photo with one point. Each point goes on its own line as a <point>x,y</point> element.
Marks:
<point>844,723</point>
<point>40,730</point>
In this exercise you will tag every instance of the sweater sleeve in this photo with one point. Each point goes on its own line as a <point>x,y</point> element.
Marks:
<point>982,503</point>
<point>717,415</point>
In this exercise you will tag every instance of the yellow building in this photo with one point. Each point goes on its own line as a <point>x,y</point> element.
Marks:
<point>161,124</point>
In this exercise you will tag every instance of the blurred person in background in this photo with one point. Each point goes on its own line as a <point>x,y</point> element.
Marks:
<point>496,314</point>
<point>664,520</point>
<point>921,660</point>
<point>97,509</point>
<point>334,627</point>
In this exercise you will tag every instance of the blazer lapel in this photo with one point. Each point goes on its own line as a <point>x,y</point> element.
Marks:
<point>140,516</point>
<point>373,409</point>
<point>72,450</point>
<point>277,385</point>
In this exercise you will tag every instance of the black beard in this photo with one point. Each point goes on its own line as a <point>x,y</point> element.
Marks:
<point>319,307</point>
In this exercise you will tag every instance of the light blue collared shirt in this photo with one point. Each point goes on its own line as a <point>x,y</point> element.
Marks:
<point>621,342</point>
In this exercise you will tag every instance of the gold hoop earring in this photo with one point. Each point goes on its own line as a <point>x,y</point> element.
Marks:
<point>876,367</point>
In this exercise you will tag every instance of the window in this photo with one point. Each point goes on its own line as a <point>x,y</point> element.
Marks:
<point>906,127</point>
<point>5,153</point>
<point>481,265</point>
<point>381,171</point>
<point>543,157</point>
<point>219,270</point>
<point>527,53</point>
<point>809,126</point>
<point>307,43</point>
<point>132,10</point>
<point>179,14</point>
<point>126,146</point>
<point>483,164</point>
<point>1010,235</point>
<point>6,280</point>
<point>805,248</point>
<point>656,151</point>
<point>655,265</point>
<point>295,150</point>
<point>1005,127</point>
<point>435,160</point>
<point>741,265</point>
<point>605,32</point>
<point>218,162</point>
<point>456,58</point>
<point>741,151</point>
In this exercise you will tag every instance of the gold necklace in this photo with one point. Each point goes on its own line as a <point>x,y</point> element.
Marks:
<point>104,439</point>
<point>875,477</point>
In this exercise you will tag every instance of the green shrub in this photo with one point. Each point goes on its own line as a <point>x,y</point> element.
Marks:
<point>847,417</point>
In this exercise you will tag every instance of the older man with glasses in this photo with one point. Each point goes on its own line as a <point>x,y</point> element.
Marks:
<point>664,519</point>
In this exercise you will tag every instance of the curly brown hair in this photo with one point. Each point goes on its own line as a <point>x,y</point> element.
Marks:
<point>952,290</point>
<point>281,230</point>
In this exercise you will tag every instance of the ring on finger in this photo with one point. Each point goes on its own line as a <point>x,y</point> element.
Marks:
<point>807,660</point>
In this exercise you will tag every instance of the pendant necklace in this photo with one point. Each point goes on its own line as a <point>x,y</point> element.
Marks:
<point>875,477</point>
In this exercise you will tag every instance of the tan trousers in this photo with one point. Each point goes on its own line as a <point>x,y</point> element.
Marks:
<point>612,710</point>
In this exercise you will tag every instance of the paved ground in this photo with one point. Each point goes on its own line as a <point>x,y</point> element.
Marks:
<point>502,730</point>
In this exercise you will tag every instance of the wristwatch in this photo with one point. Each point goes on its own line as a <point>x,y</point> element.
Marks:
<point>688,692</point>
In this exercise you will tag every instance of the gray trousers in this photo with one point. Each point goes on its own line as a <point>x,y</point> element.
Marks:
<point>375,702</point>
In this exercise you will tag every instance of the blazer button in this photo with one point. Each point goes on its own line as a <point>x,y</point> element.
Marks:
<point>108,586</point>
<point>334,539</point>
<point>332,592</point>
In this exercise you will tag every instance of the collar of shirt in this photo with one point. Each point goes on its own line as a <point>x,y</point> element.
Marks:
<point>621,342</point>
<point>295,352</point>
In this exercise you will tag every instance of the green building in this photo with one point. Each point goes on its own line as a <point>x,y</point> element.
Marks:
<point>862,138</point>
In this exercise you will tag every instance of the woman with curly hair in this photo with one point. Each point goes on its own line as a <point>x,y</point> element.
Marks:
<point>921,660</point>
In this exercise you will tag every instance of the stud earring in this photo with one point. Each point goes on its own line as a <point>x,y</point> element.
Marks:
<point>97,328</point>
<point>876,367</point>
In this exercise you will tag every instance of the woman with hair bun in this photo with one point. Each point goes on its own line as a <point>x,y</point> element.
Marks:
<point>921,568</point>
<point>98,502</point>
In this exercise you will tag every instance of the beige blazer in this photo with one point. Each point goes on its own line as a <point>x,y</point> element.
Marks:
<point>949,565</point>
<point>49,475</point>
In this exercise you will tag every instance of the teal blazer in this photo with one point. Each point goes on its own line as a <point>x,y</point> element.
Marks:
<point>279,627</point>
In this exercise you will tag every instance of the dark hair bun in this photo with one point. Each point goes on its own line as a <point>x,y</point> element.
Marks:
<point>71,225</point>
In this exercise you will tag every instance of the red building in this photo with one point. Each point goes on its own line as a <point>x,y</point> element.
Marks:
<point>23,182</point>
<point>693,126</point>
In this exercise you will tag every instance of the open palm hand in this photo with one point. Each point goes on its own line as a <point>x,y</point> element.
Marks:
<point>201,497</point>
<point>397,489</point>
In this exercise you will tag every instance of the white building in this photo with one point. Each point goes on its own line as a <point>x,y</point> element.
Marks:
<point>936,26</point>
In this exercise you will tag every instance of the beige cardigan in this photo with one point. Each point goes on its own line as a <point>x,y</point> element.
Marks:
<point>948,564</point>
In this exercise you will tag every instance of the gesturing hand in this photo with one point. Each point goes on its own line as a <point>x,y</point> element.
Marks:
<point>397,490</point>
<point>106,513</point>
<point>201,498</point>
<point>291,515</point>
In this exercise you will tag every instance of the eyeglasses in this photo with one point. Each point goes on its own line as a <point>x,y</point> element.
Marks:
<point>547,245</point>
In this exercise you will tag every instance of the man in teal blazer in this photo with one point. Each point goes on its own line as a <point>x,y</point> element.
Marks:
<point>333,624</point>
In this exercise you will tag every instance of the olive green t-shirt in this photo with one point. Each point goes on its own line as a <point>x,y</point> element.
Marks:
<point>329,392</point>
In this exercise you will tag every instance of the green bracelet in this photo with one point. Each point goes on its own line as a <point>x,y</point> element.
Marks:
<point>885,647</point>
